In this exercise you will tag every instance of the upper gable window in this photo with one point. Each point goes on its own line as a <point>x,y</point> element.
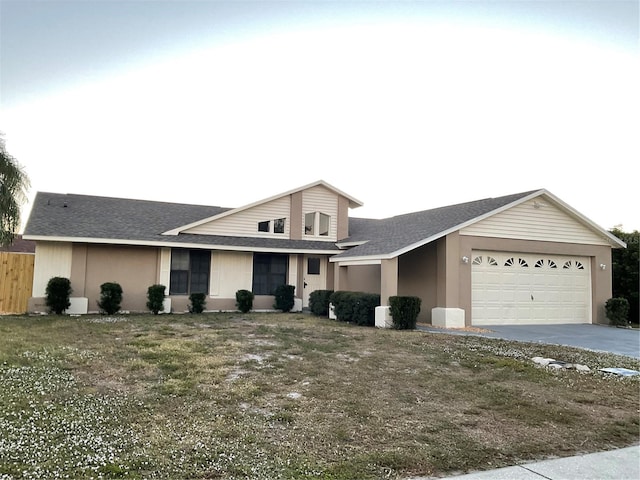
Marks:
<point>278,225</point>
<point>317,224</point>
<point>309,223</point>
<point>323,224</point>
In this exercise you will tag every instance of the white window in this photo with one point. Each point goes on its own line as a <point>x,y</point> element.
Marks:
<point>278,225</point>
<point>309,223</point>
<point>317,224</point>
<point>323,224</point>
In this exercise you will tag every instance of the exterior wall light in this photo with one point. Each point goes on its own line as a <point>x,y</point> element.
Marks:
<point>465,259</point>
<point>603,266</point>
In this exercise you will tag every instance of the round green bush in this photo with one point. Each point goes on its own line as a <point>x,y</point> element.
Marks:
<point>244,300</point>
<point>155,298</point>
<point>284,298</point>
<point>110,298</point>
<point>57,294</point>
<point>197,302</point>
<point>404,311</point>
<point>617,310</point>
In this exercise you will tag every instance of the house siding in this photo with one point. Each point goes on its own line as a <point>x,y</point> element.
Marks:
<point>536,219</point>
<point>417,276</point>
<point>343,218</point>
<point>245,222</point>
<point>134,268</point>
<point>230,272</point>
<point>320,199</point>
<point>53,259</point>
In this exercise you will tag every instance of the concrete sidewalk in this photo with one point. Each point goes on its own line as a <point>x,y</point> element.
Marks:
<point>621,464</point>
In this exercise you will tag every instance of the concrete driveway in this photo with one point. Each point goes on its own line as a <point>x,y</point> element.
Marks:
<point>602,338</point>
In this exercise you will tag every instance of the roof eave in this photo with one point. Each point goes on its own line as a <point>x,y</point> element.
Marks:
<point>169,244</point>
<point>613,240</point>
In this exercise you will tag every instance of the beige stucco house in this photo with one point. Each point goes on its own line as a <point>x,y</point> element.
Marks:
<point>522,258</point>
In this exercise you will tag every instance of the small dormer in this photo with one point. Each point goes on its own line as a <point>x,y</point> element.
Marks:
<point>314,212</point>
<point>322,212</point>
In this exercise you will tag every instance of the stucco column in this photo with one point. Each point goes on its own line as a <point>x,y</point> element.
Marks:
<point>78,269</point>
<point>601,284</point>
<point>448,255</point>
<point>388,280</point>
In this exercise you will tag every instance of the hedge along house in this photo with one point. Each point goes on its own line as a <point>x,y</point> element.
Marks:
<point>523,258</point>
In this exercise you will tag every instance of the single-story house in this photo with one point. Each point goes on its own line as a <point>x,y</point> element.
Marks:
<point>516,259</point>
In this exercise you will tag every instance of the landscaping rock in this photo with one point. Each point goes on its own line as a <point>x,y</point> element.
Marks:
<point>558,364</point>
<point>624,372</point>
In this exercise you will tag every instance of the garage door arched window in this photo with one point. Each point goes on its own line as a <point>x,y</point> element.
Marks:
<point>573,264</point>
<point>480,259</point>
<point>549,263</point>
<point>510,262</point>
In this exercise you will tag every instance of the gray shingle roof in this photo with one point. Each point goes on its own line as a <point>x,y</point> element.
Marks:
<point>389,235</point>
<point>67,215</point>
<point>91,217</point>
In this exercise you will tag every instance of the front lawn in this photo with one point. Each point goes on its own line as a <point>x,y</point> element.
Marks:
<point>267,396</point>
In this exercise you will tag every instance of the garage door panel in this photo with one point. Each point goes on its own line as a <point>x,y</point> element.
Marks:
<point>526,288</point>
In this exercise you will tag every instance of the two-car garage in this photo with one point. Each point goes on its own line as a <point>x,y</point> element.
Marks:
<point>513,288</point>
<point>512,260</point>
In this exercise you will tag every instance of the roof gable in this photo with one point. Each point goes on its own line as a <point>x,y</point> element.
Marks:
<point>353,203</point>
<point>244,221</point>
<point>389,238</point>
<point>542,217</point>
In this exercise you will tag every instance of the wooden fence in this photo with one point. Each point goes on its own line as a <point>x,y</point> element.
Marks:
<point>16,281</point>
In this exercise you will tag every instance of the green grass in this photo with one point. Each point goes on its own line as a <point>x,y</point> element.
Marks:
<point>290,396</point>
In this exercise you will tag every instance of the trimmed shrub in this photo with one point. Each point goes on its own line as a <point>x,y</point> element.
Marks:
<point>355,307</point>
<point>244,300</point>
<point>57,294</point>
<point>197,302</point>
<point>342,306</point>
<point>155,298</point>
<point>319,302</point>
<point>404,311</point>
<point>617,310</point>
<point>284,298</point>
<point>110,298</point>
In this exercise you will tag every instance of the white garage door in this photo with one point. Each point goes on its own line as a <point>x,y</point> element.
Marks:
<point>510,288</point>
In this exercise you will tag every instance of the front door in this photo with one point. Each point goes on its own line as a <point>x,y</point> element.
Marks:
<point>315,276</point>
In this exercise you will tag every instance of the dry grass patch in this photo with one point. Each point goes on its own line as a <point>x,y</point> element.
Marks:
<point>290,396</point>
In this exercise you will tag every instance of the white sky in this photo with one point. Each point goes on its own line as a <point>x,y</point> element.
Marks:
<point>404,105</point>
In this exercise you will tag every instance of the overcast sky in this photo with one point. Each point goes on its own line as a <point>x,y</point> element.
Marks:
<point>404,105</point>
